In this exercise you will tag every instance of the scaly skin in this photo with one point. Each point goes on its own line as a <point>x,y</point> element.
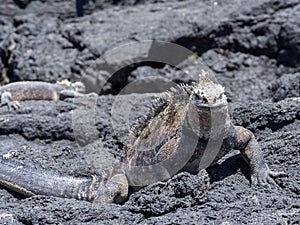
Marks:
<point>188,129</point>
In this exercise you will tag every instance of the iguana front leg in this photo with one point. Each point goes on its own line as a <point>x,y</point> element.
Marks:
<point>251,151</point>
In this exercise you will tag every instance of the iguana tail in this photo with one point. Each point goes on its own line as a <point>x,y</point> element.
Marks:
<point>31,180</point>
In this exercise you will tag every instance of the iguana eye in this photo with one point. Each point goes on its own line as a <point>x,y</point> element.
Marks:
<point>197,98</point>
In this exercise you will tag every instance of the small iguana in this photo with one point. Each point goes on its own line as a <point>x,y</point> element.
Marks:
<point>176,133</point>
<point>37,90</point>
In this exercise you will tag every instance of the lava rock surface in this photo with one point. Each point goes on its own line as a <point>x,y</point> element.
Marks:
<point>252,48</point>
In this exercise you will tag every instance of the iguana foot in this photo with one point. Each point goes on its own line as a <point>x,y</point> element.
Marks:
<point>6,99</point>
<point>264,176</point>
<point>114,191</point>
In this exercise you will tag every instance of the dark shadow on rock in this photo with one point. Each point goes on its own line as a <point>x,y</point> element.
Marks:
<point>14,194</point>
<point>22,3</point>
<point>228,167</point>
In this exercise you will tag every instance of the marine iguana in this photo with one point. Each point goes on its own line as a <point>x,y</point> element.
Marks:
<point>175,135</point>
<point>37,90</point>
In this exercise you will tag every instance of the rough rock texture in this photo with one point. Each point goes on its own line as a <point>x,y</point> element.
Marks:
<point>285,87</point>
<point>253,48</point>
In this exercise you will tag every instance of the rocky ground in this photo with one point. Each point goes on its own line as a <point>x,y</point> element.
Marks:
<point>252,48</point>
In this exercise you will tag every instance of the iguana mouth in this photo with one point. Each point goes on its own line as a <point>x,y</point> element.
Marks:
<point>209,107</point>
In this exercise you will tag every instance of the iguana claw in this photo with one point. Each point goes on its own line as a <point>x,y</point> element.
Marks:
<point>265,177</point>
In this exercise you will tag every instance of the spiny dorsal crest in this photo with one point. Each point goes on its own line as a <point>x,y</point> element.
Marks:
<point>178,92</point>
<point>178,95</point>
<point>204,79</point>
<point>154,109</point>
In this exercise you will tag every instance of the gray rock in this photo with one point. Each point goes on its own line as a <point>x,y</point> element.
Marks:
<point>253,48</point>
<point>286,86</point>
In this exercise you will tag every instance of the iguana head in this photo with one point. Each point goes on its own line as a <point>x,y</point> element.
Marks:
<point>207,94</point>
<point>208,108</point>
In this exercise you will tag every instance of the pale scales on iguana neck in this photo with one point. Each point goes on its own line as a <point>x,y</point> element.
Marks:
<point>181,120</point>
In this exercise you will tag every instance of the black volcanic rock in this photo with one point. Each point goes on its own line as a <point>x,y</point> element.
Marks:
<point>253,49</point>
